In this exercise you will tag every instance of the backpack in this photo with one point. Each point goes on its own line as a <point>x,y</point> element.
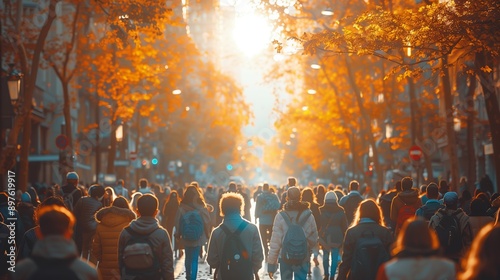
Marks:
<point>51,268</point>
<point>449,233</point>
<point>369,254</point>
<point>271,203</point>
<point>327,233</point>
<point>68,199</point>
<point>294,249</point>
<point>139,258</point>
<point>191,226</point>
<point>235,261</point>
<point>405,212</point>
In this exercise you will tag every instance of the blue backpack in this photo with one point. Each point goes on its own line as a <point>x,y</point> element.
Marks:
<point>191,226</point>
<point>295,249</point>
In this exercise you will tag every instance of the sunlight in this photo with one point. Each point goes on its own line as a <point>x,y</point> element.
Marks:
<point>251,33</point>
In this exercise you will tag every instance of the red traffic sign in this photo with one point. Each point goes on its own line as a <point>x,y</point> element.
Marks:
<point>62,142</point>
<point>133,155</point>
<point>416,153</point>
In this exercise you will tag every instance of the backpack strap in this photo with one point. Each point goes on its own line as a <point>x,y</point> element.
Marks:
<point>303,218</point>
<point>286,217</point>
<point>238,230</point>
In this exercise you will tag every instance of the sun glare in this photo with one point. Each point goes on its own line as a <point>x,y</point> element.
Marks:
<point>251,33</point>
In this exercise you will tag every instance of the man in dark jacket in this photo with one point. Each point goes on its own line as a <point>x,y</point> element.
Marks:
<point>432,205</point>
<point>404,204</point>
<point>351,201</point>
<point>71,189</point>
<point>147,225</point>
<point>84,211</point>
<point>385,204</point>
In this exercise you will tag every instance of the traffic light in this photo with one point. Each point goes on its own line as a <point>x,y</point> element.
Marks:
<point>229,167</point>
<point>154,161</point>
<point>144,162</point>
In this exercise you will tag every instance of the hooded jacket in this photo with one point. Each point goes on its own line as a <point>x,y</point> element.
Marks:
<point>205,216</point>
<point>84,212</point>
<point>158,237</point>
<point>293,209</point>
<point>111,221</point>
<point>334,216</point>
<point>57,247</point>
<point>406,197</point>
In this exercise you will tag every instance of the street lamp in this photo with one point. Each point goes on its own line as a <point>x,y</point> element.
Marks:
<point>14,83</point>
<point>327,12</point>
<point>119,133</point>
<point>389,128</point>
<point>457,124</point>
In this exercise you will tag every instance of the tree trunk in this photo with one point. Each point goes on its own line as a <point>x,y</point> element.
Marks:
<point>492,108</point>
<point>471,152</point>
<point>450,131</point>
<point>67,119</point>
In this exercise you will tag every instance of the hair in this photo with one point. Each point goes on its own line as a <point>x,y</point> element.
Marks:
<point>173,195</point>
<point>55,220</point>
<point>49,201</point>
<point>292,181</point>
<point>423,189</point>
<point>478,207</point>
<point>443,186</point>
<point>466,195</point>
<point>193,195</point>
<point>112,193</point>
<point>120,182</point>
<point>265,187</point>
<point>483,261</point>
<point>416,240</point>
<point>308,195</point>
<point>143,183</point>
<point>133,201</point>
<point>398,186</point>
<point>406,183</point>
<point>147,205</point>
<point>232,187</point>
<point>232,203</point>
<point>432,191</point>
<point>121,202</point>
<point>321,189</point>
<point>353,185</point>
<point>97,191</point>
<point>368,209</point>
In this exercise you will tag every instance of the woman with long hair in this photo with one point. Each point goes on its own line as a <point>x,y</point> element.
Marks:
<point>368,227</point>
<point>331,228</point>
<point>111,221</point>
<point>483,262</point>
<point>417,253</point>
<point>193,218</point>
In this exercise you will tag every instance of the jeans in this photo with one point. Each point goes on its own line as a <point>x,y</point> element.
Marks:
<point>265,232</point>
<point>297,272</point>
<point>191,262</point>
<point>326,261</point>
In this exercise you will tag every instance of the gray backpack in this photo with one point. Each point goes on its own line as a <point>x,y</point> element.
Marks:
<point>295,250</point>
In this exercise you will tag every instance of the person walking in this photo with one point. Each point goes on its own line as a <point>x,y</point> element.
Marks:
<point>235,246</point>
<point>405,204</point>
<point>111,221</point>
<point>144,247</point>
<point>367,234</point>
<point>478,217</point>
<point>266,208</point>
<point>432,205</point>
<point>71,193</point>
<point>193,222</point>
<point>332,227</point>
<point>483,260</point>
<point>351,201</point>
<point>55,255</point>
<point>417,254</point>
<point>294,235</point>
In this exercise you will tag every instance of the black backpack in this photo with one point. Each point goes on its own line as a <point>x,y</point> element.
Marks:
<point>139,258</point>
<point>51,268</point>
<point>369,254</point>
<point>449,233</point>
<point>235,260</point>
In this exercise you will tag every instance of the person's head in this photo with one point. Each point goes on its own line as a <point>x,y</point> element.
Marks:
<point>147,205</point>
<point>193,195</point>
<point>110,193</point>
<point>368,209</point>
<point>265,187</point>
<point>120,183</point>
<point>466,195</point>
<point>484,197</point>
<point>26,198</point>
<point>463,180</point>
<point>321,190</point>
<point>156,189</point>
<point>308,195</point>
<point>331,198</point>
<point>293,194</point>
<point>143,183</point>
<point>292,182</point>
<point>398,186</point>
<point>483,261</point>
<point>450,200</point>
<point>406,183</point>
<point>432,191</point>
<point>478,208</point>
<point>353,185</point>
<point>121,202</point>
<point>133,200</point>
<point>97,191</point>
<point>49,201</point>
<point>231,203</point>
<point>173,196</point>
<point>416,239</point>
<point>423,189</point>
<point>55,220</point>
<point>232,187</point>
<point>443,186</point>
<point>72,178</point>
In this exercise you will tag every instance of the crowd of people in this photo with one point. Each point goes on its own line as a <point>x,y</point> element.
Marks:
<point>121,232</point>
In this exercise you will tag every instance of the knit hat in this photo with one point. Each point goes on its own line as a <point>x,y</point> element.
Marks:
<point>72,176</point>
<point>331,197</point>
<point>450,198</point>
<point>26,197</point>
<point>293,194</point>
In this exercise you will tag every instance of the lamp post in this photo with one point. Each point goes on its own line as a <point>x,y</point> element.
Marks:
<point>14,84</point>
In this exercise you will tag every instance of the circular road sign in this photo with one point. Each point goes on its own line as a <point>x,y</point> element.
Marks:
<point>416,153</point>
<point>61,142</point>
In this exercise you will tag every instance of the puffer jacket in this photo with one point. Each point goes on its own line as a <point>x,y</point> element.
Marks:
<point>351,237</point>
<point>111,221</point>
<point>159,239</point>
<point>280,227</point>
<point>430,268</point>
<point>84,212</point>
<point>205,216</point>
<point>250,237</point>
